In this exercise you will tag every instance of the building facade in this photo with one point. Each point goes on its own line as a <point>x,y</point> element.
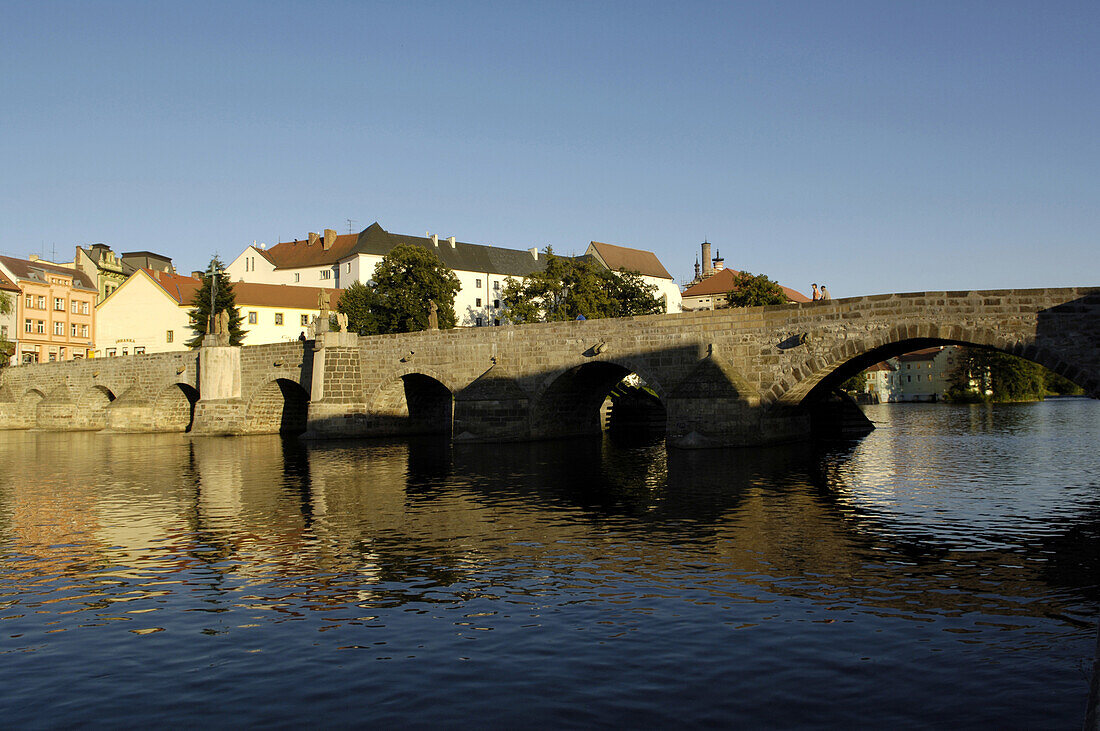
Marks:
<point>150,313</point>
<point>333,260</point>
<point>925,375</point>
<point>55,316</point>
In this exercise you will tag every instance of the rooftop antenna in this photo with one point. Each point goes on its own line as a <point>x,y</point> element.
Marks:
<point>351,225</point>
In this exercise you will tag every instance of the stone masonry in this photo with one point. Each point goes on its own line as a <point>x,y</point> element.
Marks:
<point>740,376</point>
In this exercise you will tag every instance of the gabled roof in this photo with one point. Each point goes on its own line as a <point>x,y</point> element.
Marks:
<point>922,354</point>
<point>883,366</point>
<point>7,284</point>
<point>36,271</point>
<point>247,294</point>
<point>377,241</point>
<point>620,258</point>
<point>722,282</point>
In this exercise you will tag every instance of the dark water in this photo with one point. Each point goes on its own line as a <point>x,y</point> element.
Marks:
<point>941,572</point>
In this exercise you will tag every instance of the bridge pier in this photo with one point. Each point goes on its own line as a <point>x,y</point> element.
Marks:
<point>336,407</point>
<point>131,412</point>
<point>220,409</point>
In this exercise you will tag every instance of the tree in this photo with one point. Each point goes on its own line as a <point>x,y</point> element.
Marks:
<point>224,299</point>
<point>405,281</point>
<point>571,287</point>
<point>753,290</point>
<point>5,304</point>
<point>981,374</point>
<point>358,302</point>
<point>855,384</point>
<point>6,347</point>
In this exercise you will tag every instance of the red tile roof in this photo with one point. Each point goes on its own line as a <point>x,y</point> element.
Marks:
<point>619,258</point>
<point>7,284</point>
<point>182,289</point>
<point>922,354</point>
<point>722,282</point>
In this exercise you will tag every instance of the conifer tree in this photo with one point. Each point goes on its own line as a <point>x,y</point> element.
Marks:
<point>224,299</point>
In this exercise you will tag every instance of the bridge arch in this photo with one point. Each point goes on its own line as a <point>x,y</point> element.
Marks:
<point>280,406</point>
<point>27,408</point>
<point>91,407</point>
<point>822,374</point>
<point>414,401</point>
<point>174,408</point>
<point>571,400</point>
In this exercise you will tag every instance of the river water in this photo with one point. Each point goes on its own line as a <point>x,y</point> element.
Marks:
<point>943,571</point>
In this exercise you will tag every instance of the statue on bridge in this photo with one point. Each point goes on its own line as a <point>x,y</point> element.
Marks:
<point>433,315</point>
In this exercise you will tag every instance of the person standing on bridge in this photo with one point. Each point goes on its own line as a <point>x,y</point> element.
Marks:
<point>816,294</point>
<point>824,293</point>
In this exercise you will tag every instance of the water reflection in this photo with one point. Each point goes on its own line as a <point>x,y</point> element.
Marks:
<point>956,534</point>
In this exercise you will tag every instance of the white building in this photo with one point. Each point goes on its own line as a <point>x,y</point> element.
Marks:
<point>334,260</point>
<point>924,375</point>
<point>150,313</point>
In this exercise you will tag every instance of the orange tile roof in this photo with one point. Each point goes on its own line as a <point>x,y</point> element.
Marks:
<point>182,289</point>
<point>883,366</point>
<point>7,284</point>
<point>619,258</point>
<point>295,254</point>
<point>722,282</point>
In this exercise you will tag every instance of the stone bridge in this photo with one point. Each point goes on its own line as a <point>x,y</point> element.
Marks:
<point>726,377</point>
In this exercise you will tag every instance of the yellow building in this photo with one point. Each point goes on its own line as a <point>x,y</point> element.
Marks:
<point>150,313</point>
<point>56,311</point>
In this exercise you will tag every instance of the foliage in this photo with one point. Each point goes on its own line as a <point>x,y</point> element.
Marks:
<point>5,304</point>
<point>855,384</point>
<point>397,300</point>
<point>569,288</point>
<point>358,302</point>
<point>752,290</point>
<point>981,374</point>
<point>224,300</point>
<point>1056,384</point>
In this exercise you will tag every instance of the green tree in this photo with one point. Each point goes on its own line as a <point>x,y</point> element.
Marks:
<point>224,299</point>
<point>571,287</point>
<point>5,304</point>
<point>979,374</point>
<point>855,384</point>
<point>6,347</point>
<point>752,290</point>
<point>406,279</point>
<point>358,302</point>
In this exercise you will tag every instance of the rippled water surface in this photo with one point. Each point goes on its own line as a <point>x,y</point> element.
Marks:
<point>942,571</point>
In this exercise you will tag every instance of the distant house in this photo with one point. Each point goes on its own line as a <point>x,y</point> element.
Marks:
<point>708,290</point>
<point>645,263</point>
<point>337,260</point>
<point>150,313</point>
<point>882,383</point>
<point>55,313</point>
<point>924,375</point>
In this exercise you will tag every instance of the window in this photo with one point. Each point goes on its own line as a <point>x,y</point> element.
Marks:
<point>62,354</point>
<point>496,304</point>
<point>59,328</point>
<point>477,283</point>
<point>477,302</point>
<point>326,274</point>
<point>169,336</point>
<point>253,318</point>
<point>41,302</point>
<point>480,321</point>
<point>53,356</point>
<point>59,304</point>
<point>297,277</point>
<point>125,351</point>
<point>110,352</point>
<point>496,285</point>
<point>305,320</point>
<point>83,331</point>
<point>75,306</point>
<point>84,308</point>
<point>73,330</point>
<point>139,350</point>
<point>278,318</point>
<point>347,268</point>
<point>908,379</point>
<point>30,300</point>
<point>27,327</point>
<point>3,332</point>
<point>496,322</point>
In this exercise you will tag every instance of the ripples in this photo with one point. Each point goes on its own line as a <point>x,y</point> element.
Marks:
<point>580,583</point>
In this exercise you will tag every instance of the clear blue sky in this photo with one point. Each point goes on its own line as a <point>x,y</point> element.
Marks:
<point>876,147</point>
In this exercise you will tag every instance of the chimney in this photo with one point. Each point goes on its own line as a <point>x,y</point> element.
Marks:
<point>313,238</point>
<point>435,240</point>
<point>451,241</point>
<point>330,238</point>
<point>32,257</point>
<point>197,275</point>
<point>534,252</point>
<point>706,259</point>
